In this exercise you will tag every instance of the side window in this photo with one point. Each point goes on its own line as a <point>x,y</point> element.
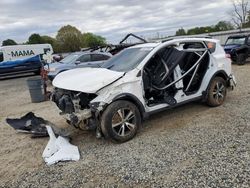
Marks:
<point>84,58</point>
<point>1,56</point>
<point>99,57</point>
<point>193,45</point>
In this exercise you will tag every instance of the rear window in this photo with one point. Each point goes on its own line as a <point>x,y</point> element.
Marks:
<point>211,46</point>
<point>1,56</point>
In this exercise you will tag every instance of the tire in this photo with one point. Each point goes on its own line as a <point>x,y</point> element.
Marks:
<point>217,92</point>
<point>120,121</point>
<point>241,60</point>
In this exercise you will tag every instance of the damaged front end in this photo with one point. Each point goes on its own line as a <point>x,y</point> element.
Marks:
<point>77,109</point>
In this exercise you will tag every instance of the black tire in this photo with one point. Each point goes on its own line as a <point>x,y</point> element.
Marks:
<point>217,92</point>
<point>120,121</point>
<point>241,59</point>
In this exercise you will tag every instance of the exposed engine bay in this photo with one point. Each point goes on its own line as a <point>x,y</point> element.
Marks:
<point>75,108</point>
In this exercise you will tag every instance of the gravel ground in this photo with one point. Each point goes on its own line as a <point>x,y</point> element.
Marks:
<point>190,146</point>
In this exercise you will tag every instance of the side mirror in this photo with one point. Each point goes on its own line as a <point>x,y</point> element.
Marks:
<point>77,62</point>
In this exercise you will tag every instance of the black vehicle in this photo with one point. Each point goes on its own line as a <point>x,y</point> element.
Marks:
<point>238,47</point>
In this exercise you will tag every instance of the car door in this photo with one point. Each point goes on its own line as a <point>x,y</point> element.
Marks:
<point>175,73</point>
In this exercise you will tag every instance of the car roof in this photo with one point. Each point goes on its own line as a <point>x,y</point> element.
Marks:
<point>174,40</point>
<point>238,36</point>
<point>146,45</point>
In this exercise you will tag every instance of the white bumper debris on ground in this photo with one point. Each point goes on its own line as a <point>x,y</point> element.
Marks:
<point>59,149</point>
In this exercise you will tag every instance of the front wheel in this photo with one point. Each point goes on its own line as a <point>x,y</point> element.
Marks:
<point>120,121</point>
<point>217,92</point>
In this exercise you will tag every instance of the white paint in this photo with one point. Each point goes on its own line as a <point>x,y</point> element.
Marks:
<point>37,49</point>
<point>59,149</point>
<point>88,80</point>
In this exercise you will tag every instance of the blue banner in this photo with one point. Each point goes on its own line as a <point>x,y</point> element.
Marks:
<point>8,64</point>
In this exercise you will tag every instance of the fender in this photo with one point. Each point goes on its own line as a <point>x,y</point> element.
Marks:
<point>132,98</point>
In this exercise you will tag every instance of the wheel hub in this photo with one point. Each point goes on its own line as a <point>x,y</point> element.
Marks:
<point>123,122</point>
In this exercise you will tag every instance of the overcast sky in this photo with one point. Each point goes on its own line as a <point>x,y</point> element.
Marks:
<point>109,18</point>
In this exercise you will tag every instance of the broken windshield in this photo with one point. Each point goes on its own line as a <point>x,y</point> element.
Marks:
<point>127,60</point>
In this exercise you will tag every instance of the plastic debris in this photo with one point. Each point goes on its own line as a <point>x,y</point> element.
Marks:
<point>31,124</point>
<point>59,149</point>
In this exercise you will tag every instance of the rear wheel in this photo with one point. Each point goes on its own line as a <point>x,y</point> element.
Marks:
<point>241,60</point>
<point>217,92</point>
<point>120,121</point>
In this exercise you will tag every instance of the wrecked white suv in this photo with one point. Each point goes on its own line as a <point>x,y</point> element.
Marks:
<point>142,80</point>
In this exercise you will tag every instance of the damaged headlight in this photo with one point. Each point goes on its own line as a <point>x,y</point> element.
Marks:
<point>97,106</point>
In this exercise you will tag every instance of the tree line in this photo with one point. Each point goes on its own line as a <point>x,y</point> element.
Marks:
<point>240,18</point>
<point>220,26</point>
<point>68,39</point>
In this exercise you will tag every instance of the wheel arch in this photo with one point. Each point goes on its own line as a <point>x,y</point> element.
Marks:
<point>132,98</point>
<point>220,73</point>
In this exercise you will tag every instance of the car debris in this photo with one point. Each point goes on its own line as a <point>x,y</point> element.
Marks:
<point>59,149</point>
<point>29,123</point>
<point>141,80</point>
<point>116,48</point>
<point>36,126</point>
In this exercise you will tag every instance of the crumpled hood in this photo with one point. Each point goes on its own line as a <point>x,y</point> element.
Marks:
<point>87,80</point>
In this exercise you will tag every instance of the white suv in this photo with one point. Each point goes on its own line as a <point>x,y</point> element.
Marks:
<point>142,80</point>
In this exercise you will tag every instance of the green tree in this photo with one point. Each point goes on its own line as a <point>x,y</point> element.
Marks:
<point>200,30</point>
<point>180,32</point>
<point>35,39</point>
<point>9,42</point>
<point>69,39</point>
<point>50,40</point>
<point>92,40</point>
<point>223,26</point>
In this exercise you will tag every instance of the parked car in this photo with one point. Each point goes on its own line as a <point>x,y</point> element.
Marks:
<point>78,60</point>
<point>238,47</point>
<point>142,80</point>
<point>22,58</point>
